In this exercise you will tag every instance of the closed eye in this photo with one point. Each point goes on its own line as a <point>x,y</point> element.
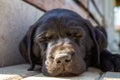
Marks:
<point>41,38</point>
<point>44,39</point>
<point>74,34</point>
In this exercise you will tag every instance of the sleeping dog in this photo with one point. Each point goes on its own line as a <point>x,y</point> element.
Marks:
<point>65,44</point>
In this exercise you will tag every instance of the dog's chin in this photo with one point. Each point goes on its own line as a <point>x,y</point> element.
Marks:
<point>62,72</point>
<point>76,66</point>
<point>65,74</point>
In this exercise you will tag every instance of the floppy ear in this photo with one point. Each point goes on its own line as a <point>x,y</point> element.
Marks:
<point>99,42</point>
<point>102,29</point>
<point>101,38</point>
<point>30,36</point>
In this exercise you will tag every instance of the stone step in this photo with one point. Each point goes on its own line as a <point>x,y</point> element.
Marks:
<point>91,74</point>
<point>16,72</point>
<point>19,72</point>
<point>111,76</point>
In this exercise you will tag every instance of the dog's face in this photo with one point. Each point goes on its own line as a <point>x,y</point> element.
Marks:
<point>63,43</point>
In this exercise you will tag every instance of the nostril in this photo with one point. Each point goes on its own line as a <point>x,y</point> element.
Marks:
<point>67,60</point>
<point>58,62</point>
<point>62,58</point>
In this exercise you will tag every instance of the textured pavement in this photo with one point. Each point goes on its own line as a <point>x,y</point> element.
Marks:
<point>19,72</point>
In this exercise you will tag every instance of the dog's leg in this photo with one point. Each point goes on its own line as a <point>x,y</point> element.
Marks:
<point>109,61</point>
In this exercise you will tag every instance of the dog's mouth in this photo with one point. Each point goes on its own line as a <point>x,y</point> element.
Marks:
<point>68,70</point>
<point>65,74</point>
<point>62,73</point>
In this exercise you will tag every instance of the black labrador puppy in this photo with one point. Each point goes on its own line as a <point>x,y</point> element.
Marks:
<point>65,44</point>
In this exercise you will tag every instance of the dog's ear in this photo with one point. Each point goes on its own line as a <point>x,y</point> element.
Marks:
<point>101,38</point>
<point>102,29</point>
<point>30,36</point>
<point>99,42</point>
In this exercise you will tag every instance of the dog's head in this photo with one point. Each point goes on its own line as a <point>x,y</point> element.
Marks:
<point>65,41</point>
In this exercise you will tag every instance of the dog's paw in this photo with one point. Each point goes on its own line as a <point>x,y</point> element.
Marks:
<point>106,63</point>
<point>116,62</point>
<point>109,61</point>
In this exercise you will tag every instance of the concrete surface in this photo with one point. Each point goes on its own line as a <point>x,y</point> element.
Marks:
<point>16,17</point>
<point>19,72</point>
<point>91,74</point>
<point>16,72</point>
<point>111,76</point>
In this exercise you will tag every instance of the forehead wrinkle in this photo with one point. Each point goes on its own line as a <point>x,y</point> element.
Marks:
<point>55,25</point>
<point>62,20</point>
<point>75,28</point>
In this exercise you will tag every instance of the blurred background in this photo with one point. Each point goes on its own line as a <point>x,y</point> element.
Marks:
<point>16,16</point>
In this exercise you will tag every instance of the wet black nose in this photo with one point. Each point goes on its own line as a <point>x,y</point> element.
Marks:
<point>63,58</point>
